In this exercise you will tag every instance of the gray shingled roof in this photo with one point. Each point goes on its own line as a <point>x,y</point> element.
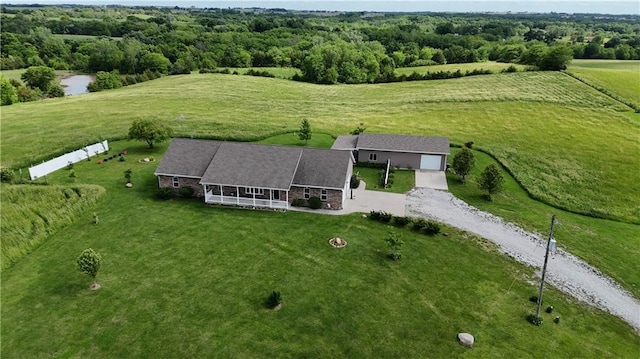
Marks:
<point>187,157</point>
<point>322,168</point>
<point>345,143</point>
<point>403,143</point>
<point>250,165</point>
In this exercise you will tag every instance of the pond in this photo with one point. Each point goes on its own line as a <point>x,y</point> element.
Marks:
<point>76,84</point>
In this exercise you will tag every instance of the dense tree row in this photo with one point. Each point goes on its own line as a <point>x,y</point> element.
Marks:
<point>347,48</point>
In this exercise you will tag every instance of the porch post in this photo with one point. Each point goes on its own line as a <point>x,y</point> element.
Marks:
<point>204,188</point>
<point>270,198</point>
<point>254,196</point>
<point>221,194</point>
<point>237,196</point>
<point>287,197</point>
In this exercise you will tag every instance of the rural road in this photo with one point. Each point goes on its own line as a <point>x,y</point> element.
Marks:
<point>564,271</point>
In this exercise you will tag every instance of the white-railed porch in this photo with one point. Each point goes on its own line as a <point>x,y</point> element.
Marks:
<point>220,198</point>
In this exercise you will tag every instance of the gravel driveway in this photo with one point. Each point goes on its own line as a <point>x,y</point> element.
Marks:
<point>564,271</point>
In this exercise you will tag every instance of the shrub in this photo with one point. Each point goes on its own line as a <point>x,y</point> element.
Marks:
<point>6,175</point>
<point>549,309</point>
<point>533,298</point>
<point>401,221</point>
<point>315,202</point>
<point>394,242</point>
<point>557,320</point>
<point>468,144</point>
<point>186,192</point>
<point>511,68</point>
<point>298,202</point>
<point>419,224</point>
<point>164,193</point>
<point>274,299</point>
<point>381,216</point>
<point>355,181</point>
<point>531,318</point>
<point>127,174</point>
<point>431,228</point>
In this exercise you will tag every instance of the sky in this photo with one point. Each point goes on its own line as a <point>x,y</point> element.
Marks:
<point>540,6</point>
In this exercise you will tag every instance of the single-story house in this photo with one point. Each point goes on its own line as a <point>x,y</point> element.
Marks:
<point>413,152</point>
<point>245,174</point>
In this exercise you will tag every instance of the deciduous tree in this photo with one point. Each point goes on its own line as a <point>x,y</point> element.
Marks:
<point>463,162</point>
<point>491,180</point>
<point>39,77</point>
<point>150,131</point>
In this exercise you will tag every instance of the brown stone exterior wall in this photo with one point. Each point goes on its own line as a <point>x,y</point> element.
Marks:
<point>334,197</point>
<point>167,182</point>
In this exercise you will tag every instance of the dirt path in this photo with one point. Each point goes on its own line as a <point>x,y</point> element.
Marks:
<point>564,271</point>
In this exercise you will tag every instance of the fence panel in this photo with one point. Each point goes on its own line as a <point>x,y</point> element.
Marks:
<point>59,162</point>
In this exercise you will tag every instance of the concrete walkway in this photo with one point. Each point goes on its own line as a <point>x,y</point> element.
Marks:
<point>431,179</point>
<point>365,201</point>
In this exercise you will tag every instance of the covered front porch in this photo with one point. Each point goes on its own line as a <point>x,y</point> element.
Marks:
<point>246,196</point>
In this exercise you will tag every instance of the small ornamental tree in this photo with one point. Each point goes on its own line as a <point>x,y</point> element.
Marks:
<point>395,244</point>
<point>89,263</point>
<point>305,131</point>
<point>491,180</point>
<point>360,129</point>
<point>149,131</point>
<point>127,175</point>
<point>463,162</point>
<point>274,299</point>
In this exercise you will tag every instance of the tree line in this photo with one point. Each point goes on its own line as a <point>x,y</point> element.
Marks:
<point>345,48</point>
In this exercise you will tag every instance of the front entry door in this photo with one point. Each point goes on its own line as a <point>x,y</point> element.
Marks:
<point>276,195</point>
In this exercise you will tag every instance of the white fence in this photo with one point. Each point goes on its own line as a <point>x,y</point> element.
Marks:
<point>57,163</point>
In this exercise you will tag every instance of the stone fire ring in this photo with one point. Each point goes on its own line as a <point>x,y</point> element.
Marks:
<point>337,242</point>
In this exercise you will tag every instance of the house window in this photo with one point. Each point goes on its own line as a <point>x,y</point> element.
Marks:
<point>373,157</point>
<point>254,190</point>
<point>176,182</point>
<point>307,194</point>
<point>323,195</point>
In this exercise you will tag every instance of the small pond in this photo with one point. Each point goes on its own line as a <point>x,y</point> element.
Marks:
<point>76,84</point>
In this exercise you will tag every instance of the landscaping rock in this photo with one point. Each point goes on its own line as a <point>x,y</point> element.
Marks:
<point>129,185</point>
<point>466,339</point>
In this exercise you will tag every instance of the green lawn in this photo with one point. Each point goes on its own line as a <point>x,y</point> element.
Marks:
<point>522,118</point>
<point>621,77</point>
<point>489,65</point>
<point>280,72</point>
<point>321,140</point>
<point>403,180</point>
<point>181,279</point>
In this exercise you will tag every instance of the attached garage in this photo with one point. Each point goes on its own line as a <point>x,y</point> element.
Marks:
<point>402,151</point>
<point>430,162</point>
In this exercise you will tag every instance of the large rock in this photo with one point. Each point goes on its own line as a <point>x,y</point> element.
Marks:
<point>466,339</point>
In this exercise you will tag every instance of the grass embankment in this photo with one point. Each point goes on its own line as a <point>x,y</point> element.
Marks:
<point>31,213</point>
<point>183,279</point>
<point>613,247</point>
<point>16,75</point>
<point>621,77</point>
<point>570,145</point>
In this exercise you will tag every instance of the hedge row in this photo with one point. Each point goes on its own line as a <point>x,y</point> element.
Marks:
<point>417,224</point>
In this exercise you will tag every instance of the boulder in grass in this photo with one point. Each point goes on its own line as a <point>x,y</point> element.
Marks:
<point>466,339</point>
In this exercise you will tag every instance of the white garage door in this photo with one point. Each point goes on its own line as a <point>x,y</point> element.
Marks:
<point>430,162</point>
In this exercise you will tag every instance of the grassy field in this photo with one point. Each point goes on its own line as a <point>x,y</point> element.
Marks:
<point>181,279</point>
<point>279,72</point>
<point>489,65</point>
<point>621,77</point>
<point>524,119</point>
<point>321,140</point>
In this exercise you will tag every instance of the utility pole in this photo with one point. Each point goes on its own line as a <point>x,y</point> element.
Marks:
<point>544,268</point>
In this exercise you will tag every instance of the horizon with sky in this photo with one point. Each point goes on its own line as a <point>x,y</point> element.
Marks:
<point>614,7</point>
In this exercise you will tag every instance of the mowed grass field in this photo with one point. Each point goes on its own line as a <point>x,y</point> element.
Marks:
<point>621,77</point>
<point>570,145</point>
<point>488,65</point>
<point>181,279</point>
